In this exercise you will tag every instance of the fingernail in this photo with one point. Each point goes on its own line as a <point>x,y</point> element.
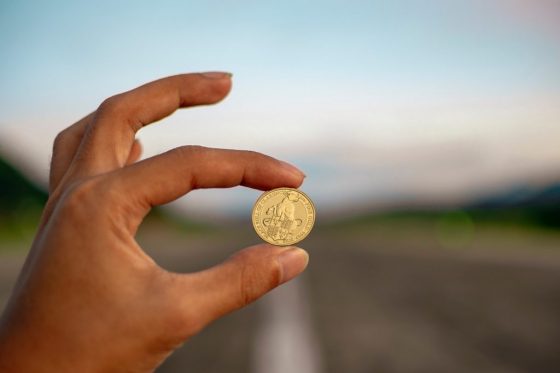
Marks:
<point>216,74</point>
<point>292,168</point>
<point>293,261</point>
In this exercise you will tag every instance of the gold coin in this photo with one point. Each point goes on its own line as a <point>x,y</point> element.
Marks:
<point>283,216</point>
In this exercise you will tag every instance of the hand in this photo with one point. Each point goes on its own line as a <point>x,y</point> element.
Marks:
<point>89,299</point>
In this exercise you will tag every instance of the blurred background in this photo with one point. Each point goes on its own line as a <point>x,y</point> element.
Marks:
<point>429,134</point>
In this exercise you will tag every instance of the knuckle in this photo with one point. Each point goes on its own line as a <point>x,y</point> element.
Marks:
<point>60,138</point>
<point>191,151</point>
<point>121,109</point>
<point>100,197</point>
<point>91,196</point>
<point>246,290</point>
<point>112,106</point>
<point>81,194</point>
<point>252,155</point>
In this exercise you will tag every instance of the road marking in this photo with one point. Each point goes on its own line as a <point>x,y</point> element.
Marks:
<point>285,341</point>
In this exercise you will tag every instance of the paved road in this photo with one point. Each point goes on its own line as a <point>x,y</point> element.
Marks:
<point>380,309</point>
<point>285,340</point>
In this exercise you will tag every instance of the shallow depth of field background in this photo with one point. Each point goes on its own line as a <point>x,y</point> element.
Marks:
<point>429,132</point>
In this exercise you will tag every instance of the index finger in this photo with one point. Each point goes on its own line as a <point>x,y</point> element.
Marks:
<point>168,176</point>
<point>107,142</point>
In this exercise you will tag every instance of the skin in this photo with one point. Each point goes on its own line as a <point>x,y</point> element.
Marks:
<point>88,298</point>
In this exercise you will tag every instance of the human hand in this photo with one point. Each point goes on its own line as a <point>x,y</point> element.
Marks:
<point>88,298</point>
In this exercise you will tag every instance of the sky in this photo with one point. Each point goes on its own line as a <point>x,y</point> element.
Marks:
<point>379,102</point>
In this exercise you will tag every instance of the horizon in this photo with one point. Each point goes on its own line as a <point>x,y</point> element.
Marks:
<point>502,198</point>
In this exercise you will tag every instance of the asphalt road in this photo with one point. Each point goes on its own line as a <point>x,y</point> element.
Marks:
<point>387,309</point>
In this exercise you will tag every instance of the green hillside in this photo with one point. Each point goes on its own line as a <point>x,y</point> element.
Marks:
<point>16,192</point>
<point>20,203</point>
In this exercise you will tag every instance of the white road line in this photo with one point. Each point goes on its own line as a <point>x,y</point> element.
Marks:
<point>285,341</point>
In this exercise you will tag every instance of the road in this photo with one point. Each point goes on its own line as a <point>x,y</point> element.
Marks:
<point>379,300</point>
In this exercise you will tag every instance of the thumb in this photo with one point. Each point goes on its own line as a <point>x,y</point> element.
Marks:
<point>240,280</point>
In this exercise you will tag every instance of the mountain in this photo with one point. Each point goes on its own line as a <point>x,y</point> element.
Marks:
<point>522,196</point>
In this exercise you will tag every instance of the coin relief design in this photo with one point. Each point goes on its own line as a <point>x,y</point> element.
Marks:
<point>283,216</point>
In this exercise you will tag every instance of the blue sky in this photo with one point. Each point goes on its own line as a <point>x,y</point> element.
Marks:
<point>381,100</point>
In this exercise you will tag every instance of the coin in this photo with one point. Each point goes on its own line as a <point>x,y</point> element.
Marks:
<point>283,216</point>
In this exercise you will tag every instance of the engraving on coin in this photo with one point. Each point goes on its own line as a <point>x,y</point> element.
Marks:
<point>283,216</point>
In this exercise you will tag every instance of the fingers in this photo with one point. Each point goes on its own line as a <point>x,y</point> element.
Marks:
<point>168,176</point>
<point>242,279</point>
<point>64,149</point>
<point>108,140</point>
